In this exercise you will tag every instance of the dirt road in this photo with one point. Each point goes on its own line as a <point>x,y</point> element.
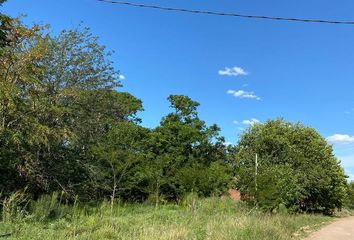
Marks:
<point>342,229</point>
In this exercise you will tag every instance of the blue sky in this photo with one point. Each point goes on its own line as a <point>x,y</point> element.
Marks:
<point>241,71</point>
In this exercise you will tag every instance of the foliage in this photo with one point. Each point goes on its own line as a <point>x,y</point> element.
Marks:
<point>291,156</point>
<point>22,135</point>
<point>49,207</point>
<point>4,22</point>
<point>186,155</point>
<point>14,207</point>
<point>42,84</point>
<point>121,156</point>
<point>350,196</point>
<point>176,158</point>
<point>277,186</point>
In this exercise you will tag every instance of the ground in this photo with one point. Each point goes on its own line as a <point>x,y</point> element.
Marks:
<point>342,229</point>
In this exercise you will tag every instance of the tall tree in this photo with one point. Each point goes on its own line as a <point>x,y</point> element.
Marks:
<point>79,82</point>
<point>350,196</point>
<point>57,97</point>
<point>4,27</point>
<point>184,146</point>
<point>21,102</point>
<point>120,154</point>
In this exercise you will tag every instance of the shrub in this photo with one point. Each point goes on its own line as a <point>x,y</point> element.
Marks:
<point>278,185</point>
<point>350,196</point>
<point>49,207</point>
<point>14,206</point>
<point>297,167</point>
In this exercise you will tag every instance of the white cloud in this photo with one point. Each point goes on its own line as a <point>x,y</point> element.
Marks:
<point>351,111</point>
<point>235,71</point>
<point>247,122</point>
<point>243,94</point>
<point>228,143</point>
<point>340,138</point>
<point>345,153</point>
<point>251,122</point>
<point>121,77</point>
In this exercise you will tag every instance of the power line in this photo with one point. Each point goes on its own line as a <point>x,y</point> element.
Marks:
<point>227,14</point>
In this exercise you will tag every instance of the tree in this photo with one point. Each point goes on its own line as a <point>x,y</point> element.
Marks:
<point>350,196</point>
<point>57,98</point>
<point>121,153</point>
<point>94,112</point>
<point>80,85</point>
<point>5,23</point>
<point>21,132</point>
<point>182,147</point>
<point>277,185</point>
<point>297,153</point>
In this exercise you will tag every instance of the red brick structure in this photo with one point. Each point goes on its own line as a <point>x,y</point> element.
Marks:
<point>234,194</point>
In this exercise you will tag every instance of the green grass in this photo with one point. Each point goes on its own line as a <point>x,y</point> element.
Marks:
<point>211,218</point>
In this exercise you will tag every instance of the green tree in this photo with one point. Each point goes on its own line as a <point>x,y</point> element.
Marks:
<point>121,154</point>
<point>184,146</point>
<point>308,161</point>
<point>57,98</point>
<point>278,185</point>
<point>350,196</point>
<point>21,102</point>
<point>79,82</point>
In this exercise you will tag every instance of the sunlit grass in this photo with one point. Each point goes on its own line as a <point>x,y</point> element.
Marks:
<point>211,218</point>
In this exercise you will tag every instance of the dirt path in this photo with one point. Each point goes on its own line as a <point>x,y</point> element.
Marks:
<point>343,229</point>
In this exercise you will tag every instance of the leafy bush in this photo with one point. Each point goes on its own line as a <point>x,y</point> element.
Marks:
<point>278,186</point>
<point>350,196</point>
<point>49,207</point>
<point>13,207</point>
<point>297,167</point>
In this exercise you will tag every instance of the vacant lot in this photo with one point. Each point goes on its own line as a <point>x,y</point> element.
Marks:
<point>193,219</point>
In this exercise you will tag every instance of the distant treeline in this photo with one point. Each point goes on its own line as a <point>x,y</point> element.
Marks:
<point>65,127</point>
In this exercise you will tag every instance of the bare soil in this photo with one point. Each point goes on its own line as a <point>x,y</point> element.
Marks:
<point>342,229</point>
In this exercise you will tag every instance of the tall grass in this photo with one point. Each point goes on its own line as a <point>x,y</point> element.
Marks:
<point>13,207</point>
<point>49,207</point>
<point>193,218</point>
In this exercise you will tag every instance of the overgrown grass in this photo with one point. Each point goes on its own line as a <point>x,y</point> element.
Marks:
<point>194,218</point>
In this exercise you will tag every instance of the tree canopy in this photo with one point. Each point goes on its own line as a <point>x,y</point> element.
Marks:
<point>297,167</point>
